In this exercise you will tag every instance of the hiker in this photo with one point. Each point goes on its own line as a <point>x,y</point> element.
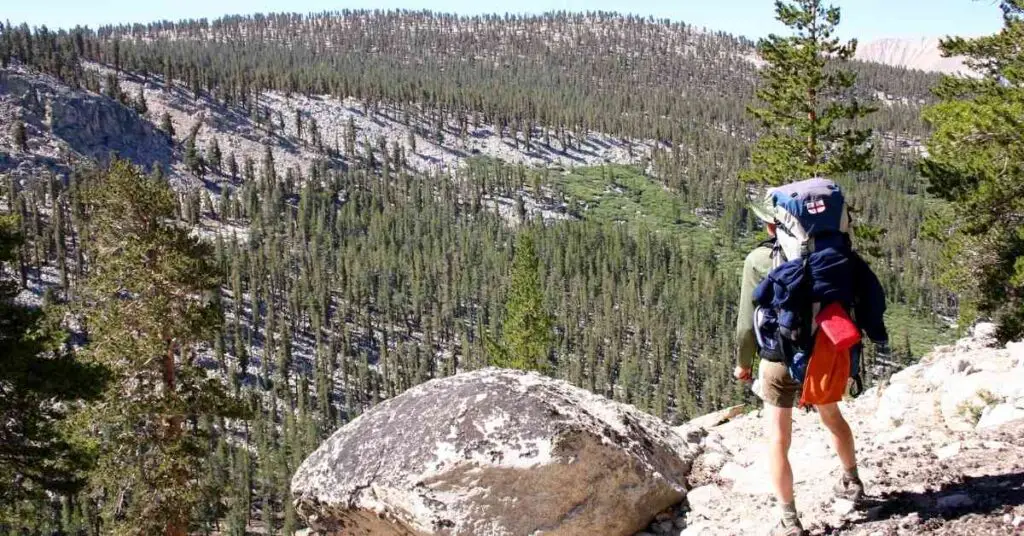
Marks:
<point>798,292</point>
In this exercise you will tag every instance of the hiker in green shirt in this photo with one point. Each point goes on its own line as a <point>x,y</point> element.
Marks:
<point>755,269</point>
<point>781,393</point>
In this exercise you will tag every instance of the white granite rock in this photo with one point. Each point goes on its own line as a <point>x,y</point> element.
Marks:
<point>999,415</point>
<point>494,453</point>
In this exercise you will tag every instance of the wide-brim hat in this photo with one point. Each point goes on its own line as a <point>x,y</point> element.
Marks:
<point>763,208</point>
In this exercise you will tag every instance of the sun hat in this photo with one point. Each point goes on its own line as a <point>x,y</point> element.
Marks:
<point>763,208</point>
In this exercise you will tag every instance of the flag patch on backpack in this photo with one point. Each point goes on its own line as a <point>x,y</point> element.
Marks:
<point>816,206</point>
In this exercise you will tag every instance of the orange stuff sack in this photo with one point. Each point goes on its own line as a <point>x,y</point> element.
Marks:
<point>838,327</point>
<point>827,374</point>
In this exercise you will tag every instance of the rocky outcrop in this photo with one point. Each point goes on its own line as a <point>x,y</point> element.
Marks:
<point>98,127</point>
<point>66,125</point>
<point>494,452</point>
<point>941,448</point>
<point>971,385</point>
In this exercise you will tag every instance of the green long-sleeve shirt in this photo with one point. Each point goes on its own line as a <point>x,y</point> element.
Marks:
<point>757,265</point>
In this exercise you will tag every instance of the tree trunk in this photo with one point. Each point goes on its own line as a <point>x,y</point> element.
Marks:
<point>812,116</point>
<point>812,96</point>
<point>172,431</point>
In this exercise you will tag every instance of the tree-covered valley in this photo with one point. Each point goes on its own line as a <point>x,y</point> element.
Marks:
<point>342,198</point>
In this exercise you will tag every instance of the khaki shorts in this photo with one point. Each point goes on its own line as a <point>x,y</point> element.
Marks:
<point>778,388</point>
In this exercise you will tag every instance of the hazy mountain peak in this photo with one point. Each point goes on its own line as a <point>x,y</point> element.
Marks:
<point>914,53</point>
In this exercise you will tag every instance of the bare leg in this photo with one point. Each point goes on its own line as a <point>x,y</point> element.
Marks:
<point>779,429</point>
<point>842,436</point>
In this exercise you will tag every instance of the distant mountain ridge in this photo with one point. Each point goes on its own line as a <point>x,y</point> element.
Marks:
<point>913,53</point>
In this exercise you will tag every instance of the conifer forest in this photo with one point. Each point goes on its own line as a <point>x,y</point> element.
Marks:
<point>188,315</point>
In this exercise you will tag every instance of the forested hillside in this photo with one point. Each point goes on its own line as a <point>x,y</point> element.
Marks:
<point>362,178</point>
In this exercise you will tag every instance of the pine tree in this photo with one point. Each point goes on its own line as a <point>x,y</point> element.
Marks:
<point>18,135</point>
<point>149,302</point>
<point>213,156</point>
<point>232,166</point>
<point>527,335</point>
<point>38,383</point>
<point>350,139</point>
<point>113,88</point>
<point>809,115</point>
<point>140,102</point>
<point>166,125</point>
<point>976,161</point>
<point>268,172</point>
<point>193,159</point>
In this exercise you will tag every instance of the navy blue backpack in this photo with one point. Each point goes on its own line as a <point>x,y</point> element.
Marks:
<point>810,216</point>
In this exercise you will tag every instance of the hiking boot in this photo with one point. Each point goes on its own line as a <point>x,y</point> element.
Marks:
<point>787,528</point>
<point>849,488</point>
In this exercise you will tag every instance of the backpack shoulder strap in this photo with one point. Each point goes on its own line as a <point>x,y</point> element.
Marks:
<point>778,254</point>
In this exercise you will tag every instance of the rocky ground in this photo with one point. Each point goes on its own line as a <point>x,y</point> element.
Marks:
<point>941,449</point>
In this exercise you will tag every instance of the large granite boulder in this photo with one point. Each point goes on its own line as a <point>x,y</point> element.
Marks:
<point>494,452</point>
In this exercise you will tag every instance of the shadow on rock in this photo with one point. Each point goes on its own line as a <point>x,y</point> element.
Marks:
<point>991,494</point>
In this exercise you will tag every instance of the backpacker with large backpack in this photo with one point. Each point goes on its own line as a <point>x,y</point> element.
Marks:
<point>816,289</point>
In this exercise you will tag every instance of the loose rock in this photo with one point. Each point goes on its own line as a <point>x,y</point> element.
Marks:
<point>999,415</point>
<point>494,453</point>
<point>948,451</point>
<point>843,507</point>
<point>704,498</point>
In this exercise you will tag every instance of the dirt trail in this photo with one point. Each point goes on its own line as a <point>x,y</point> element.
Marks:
<point>941,451</point>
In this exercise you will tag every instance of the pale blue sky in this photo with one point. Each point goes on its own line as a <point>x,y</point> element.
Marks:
<point>864,19</point>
